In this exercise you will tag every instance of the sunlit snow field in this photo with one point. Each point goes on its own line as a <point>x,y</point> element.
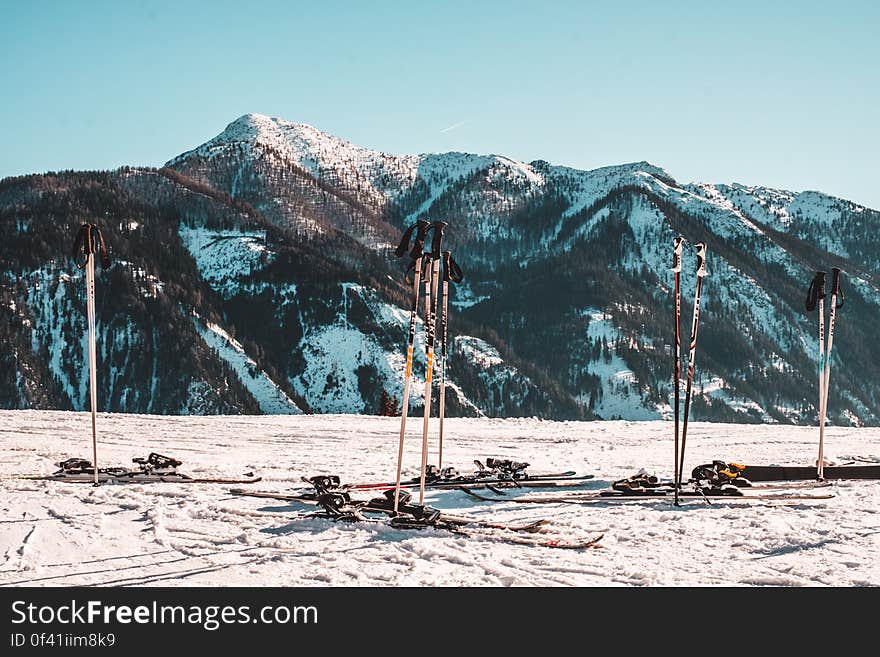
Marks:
<point>59,534</point>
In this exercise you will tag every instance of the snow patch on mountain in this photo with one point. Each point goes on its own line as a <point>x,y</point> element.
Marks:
<point>150,285</point>
<point>620,396</point>
<point>465,297</point>
<point>197,394</point>
<point>49,301</point>
<point>522,170</point>
<point>730,287</point>
<point>226,258</point>
<point>767,205</point>
<point>733,288</point>
<point>503,382</point>
<point>338,354</point>
<point>440,171</point>
<point>378,176</point>
<point>788,211</point>
<point>479,352</point>
<point>716,388</point>
<point>584,188</point>
<point>333,356</point>
<point>271,399</point>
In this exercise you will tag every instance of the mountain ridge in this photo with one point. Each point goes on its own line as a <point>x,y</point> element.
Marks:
<point>283,288</point>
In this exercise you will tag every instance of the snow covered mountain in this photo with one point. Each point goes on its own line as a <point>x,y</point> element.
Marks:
<point>258,267</point>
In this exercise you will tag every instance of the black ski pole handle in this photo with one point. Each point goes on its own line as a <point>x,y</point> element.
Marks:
<point>405,239</point>
<point>451,271</point>
<point>835,287</point>
<point>420,228</point>
<point>410,274</point>
<point>436,243</point>
<point>816,291</point>
<point>89,240</point>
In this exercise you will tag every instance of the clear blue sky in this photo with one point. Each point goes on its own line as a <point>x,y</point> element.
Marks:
<point>785,94</point>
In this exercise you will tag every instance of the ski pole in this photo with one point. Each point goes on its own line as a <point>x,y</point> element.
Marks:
<point>701,273</point>
<point>832,308</point>
<point>451,272</point>
<point>89,241</point>
<point>676,370</point>
<point>420,229</point>
<point>816,297</point>
<point>430,330</point>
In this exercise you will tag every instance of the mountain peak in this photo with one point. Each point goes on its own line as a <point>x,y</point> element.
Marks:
<point>300,143</point>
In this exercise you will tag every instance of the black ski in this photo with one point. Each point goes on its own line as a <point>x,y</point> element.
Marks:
<point>807,472</point>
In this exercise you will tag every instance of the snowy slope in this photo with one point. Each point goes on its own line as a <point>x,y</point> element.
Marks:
<point>226,258</point>
<point>621,397</point>
<point>264,390</point>
<point>188,535</point>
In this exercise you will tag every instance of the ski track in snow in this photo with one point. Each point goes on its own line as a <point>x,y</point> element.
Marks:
<point>56,534</point>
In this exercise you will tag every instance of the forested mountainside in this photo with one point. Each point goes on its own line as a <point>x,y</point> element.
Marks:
<point>255,274</point>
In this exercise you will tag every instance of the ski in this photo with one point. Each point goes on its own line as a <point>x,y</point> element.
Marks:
<point>649,495</point>
<point>715,475</point>
<point>304,497</point>
<point>494,471</point>
<point>554,543</point>
<point>139,478</point>
<point>491,532</point>
<point>548,481</point>
<point>719,473</point>
<point>155,468</point>
<point>340,506</point>
<point>787,485</point>
<point>806,473</point>
<point>497,486</point>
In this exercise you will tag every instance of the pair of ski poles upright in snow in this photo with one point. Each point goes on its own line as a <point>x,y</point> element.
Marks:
<point>430,260</point>
<point>676,376</point>
<point>89,242</point>
<point>816,297</point>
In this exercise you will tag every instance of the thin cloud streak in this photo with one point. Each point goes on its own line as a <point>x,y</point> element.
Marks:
<point>453,126</point>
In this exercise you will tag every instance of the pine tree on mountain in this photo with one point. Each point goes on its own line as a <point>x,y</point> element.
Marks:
<point>388,406</point>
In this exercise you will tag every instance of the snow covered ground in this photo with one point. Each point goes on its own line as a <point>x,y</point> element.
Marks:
<point>58,534</point>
